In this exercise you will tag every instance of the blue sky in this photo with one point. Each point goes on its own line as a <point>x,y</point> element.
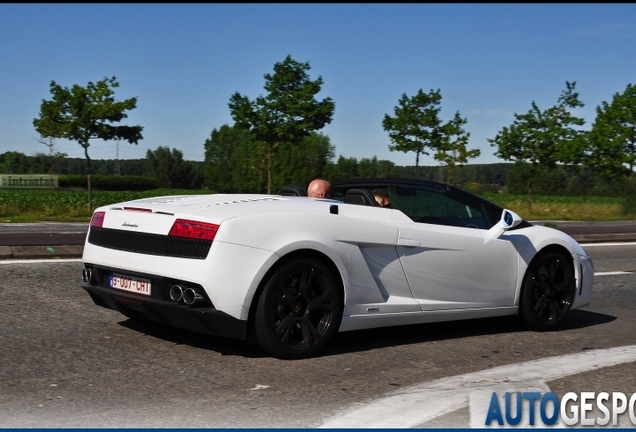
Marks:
<point>184,61</point>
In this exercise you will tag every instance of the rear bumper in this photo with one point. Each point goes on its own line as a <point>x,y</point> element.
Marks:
<point>206,320</point>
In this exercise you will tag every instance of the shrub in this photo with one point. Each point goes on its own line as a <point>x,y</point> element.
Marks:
<point>108,182</point>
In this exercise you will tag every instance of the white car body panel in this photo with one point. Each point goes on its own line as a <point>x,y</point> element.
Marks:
<point>393,271</point>
<point>452,269</point>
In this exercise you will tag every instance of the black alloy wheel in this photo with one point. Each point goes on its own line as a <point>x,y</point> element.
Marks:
<point>548,291</point>
<point>298,310</point>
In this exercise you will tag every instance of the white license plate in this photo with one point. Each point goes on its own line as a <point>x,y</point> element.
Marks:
<point>132,284</point>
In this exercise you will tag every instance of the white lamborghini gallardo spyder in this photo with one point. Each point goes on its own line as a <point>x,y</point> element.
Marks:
<point>288,271</point>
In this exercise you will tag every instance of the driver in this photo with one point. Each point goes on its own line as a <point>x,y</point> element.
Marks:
<point>382,199</point>
<point>319,188</point>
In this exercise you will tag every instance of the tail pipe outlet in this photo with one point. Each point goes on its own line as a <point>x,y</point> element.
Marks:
<point>191,297</point>
<point>87,275</point>
<point>176,293</point>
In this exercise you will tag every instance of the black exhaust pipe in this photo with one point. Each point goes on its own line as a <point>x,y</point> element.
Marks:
<point>87,275</point>
<point>190,296</point>
<point>176,293</point>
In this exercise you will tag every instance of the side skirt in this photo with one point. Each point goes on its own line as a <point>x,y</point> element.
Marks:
<point>360,322</point>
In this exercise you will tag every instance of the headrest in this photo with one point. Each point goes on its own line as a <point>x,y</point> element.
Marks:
<point>360,197</point>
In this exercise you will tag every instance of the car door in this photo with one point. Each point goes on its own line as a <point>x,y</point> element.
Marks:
<point>444,253</point>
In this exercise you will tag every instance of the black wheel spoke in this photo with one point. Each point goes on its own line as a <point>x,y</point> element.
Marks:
<point>326,307</point>
<point>540,306</point>
<point>552,270</point>
<point>555,314</point>
<point>320,302</point>
<point>284,327</point>
<point>310,333</point>
<point>306,279</point>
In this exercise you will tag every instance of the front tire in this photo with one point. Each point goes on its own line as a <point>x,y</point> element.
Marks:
<point>548,291</point>
<point>299,309</point>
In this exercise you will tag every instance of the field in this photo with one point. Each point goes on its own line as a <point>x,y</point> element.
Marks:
<point>587,208</point>
<point>71,206</point>
<point>67,206</point>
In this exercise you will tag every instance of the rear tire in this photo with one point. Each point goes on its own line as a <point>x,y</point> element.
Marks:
<point>299,309</point>
<point>548,291</point>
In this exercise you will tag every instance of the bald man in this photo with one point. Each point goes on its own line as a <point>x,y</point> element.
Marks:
<point>319,189</point>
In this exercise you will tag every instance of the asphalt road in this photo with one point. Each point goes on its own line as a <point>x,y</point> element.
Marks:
<point>42,234</point>
<point>66,362</point>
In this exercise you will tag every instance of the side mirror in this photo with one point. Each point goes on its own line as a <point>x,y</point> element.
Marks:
<point>509,219</point>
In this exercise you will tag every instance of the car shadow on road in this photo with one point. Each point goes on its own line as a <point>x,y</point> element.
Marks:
<point>580,318</point>
<point>223,346</point>
<point>364,340</point>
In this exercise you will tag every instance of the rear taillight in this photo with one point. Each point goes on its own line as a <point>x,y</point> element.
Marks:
<point>98,219</point>
<point>193,229</point>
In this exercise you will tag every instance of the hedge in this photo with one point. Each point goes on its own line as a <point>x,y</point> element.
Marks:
<point>109,182</point>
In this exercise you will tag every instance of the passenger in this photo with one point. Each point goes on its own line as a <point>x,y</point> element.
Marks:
<point>319,188</point>
<point>382,199</point>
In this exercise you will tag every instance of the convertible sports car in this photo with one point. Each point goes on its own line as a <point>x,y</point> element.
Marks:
<point>286,271</point>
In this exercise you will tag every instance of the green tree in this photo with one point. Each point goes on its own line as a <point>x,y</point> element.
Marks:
<point>453,150</point>
<point>375,168</point>
<point>287,113</point>
<point>611,149</point>
<point>233,160</point>
<point>304,162</point>
<point>85,113</point>
<point>543,137</point>
<point>546,181</point>
<point>386,169</point>
<point>229,160</point>
<point>369,168</point>
<point>417,127</point>
<point>13,162</point>
<point>39,164</point>
<point>344,169</point>
<point>171,171</point>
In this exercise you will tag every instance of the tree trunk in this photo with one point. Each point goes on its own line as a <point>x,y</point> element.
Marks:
<point>417,165</point>
<point>90,198</point>
<point>88,179</point>
<point>51,174</point>
<point>269,173</point>
<point>450,174</point>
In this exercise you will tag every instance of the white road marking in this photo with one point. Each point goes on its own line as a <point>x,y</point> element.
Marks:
<point>48,260</point>
<point>612,273</point>
<point>608,244</point>
<point>259,387</point>
<point>418,404</point>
